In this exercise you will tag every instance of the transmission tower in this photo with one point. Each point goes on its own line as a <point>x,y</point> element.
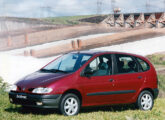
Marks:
<point>147,5</point>
<point>113,5</point>
<point>3,23</point>
<point>46,11</point>
<point>99,6</point>
<point>164,5</point>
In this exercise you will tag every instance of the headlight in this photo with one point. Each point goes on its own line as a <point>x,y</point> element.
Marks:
<point>42,90</point>
<point>13,88</point>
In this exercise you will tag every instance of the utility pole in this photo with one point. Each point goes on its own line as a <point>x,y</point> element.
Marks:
<point>46,11</point>
<point>99,6</point>
<point>113,5</point>
<point>164,6</point>
<point>147,5</point>
<point>3,22</point>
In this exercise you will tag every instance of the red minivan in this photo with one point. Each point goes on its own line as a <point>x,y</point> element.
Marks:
<point>89,78</point>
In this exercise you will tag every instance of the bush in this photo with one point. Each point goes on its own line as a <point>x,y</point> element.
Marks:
<point>3,85</point>
<point>157,59</point>
<point>161,85</point>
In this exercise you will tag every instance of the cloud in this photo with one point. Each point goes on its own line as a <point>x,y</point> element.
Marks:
<point>23,8</point>
<point>72,7</point>
<point>69,7</point>
<point>45,8</point>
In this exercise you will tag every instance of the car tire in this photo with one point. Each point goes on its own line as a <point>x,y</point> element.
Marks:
<point>69,105</point>
<point>145,101</point>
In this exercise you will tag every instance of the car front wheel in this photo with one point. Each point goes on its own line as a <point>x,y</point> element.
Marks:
<point>145,100</point>
<point>70,105</point>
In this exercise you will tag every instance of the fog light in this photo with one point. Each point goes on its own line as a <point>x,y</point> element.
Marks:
<point>39,103</point>
<point>11,100</point>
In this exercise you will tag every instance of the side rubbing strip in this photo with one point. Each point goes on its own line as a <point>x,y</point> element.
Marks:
<point>112,93</point>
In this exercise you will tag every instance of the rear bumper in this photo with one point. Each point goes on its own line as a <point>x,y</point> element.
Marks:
<point>39,101</point>
<point>156,92</point>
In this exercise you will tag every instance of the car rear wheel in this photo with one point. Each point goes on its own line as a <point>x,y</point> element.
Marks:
<point>70,105</point>
<point>145,100</point>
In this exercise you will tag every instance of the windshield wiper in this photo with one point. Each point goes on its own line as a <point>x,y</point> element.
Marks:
<point>53,70</point>
<point>56,70</point>
<point>44,70</point>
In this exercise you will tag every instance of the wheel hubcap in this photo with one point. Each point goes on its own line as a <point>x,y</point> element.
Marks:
<point>71,106</point>
<point>146,102</point>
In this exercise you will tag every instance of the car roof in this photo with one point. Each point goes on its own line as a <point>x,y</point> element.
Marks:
<point>95,52</point>
<point>92,52</point>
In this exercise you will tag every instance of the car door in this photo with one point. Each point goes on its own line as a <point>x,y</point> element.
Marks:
<point>128,78</point>
<point>97,84</point>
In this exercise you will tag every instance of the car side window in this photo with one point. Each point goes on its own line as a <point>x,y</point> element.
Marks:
<point>145,66</point>
<point>126,64</point>
<point>85,58</point>
<point>100,66</point>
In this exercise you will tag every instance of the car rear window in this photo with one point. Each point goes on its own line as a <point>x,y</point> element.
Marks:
<point>126,64</point>
<point>144,65</point>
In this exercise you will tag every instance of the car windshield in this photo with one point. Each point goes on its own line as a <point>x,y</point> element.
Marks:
<point>67,63</point>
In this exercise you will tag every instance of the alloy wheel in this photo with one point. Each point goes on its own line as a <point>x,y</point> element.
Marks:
<point>146,102</point>
<point>70,106</point>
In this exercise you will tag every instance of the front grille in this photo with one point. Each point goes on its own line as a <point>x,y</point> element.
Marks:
<point>23,102</point>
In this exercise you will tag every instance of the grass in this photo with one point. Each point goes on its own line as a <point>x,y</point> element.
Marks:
<point>161,83</point>
<point>9,111</point>
<point>68,20</point>
<point>124,112</point>
<point>3,86</point>
<point>157,59</point>
<point>121,112</point>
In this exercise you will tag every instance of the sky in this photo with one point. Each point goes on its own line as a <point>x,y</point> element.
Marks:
<point>54,8</point>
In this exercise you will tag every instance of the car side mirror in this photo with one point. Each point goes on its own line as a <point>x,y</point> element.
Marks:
<point>87,73</point>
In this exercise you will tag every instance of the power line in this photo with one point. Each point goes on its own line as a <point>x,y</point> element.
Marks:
<point>113,5</point>
<point>46,10</point>
<point>164,5</point>
<point>3,22</point>
<point>99,6</point>
<point>147,5</point>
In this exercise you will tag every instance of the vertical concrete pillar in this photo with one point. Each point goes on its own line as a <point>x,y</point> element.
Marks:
<point>26,39</point>
<point>32,52</point>
<point>161,21</point>
<point>9,41</point>
<point>140,20</point>
<point>74,45</point>
<point>110,20</point>
<point>79,42</point>
<point>120,21</point>
<point>26,53</point>
<point>130,21</point>
<point>151,21</point>
<point>158,24</point>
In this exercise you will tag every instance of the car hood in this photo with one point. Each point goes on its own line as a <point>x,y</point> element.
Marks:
<point>40,79</point>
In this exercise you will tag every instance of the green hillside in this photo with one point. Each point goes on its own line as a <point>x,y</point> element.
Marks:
<point>67,20</point>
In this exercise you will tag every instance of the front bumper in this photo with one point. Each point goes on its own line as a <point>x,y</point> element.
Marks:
<point>39,101</point>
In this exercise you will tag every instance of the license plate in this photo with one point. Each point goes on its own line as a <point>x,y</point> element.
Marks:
<point>21,96</point>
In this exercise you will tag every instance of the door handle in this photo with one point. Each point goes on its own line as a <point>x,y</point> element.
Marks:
<point>139,77</point>
<point>111,80</point>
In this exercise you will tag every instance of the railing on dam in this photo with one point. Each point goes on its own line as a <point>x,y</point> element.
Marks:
<point>133,20</point>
